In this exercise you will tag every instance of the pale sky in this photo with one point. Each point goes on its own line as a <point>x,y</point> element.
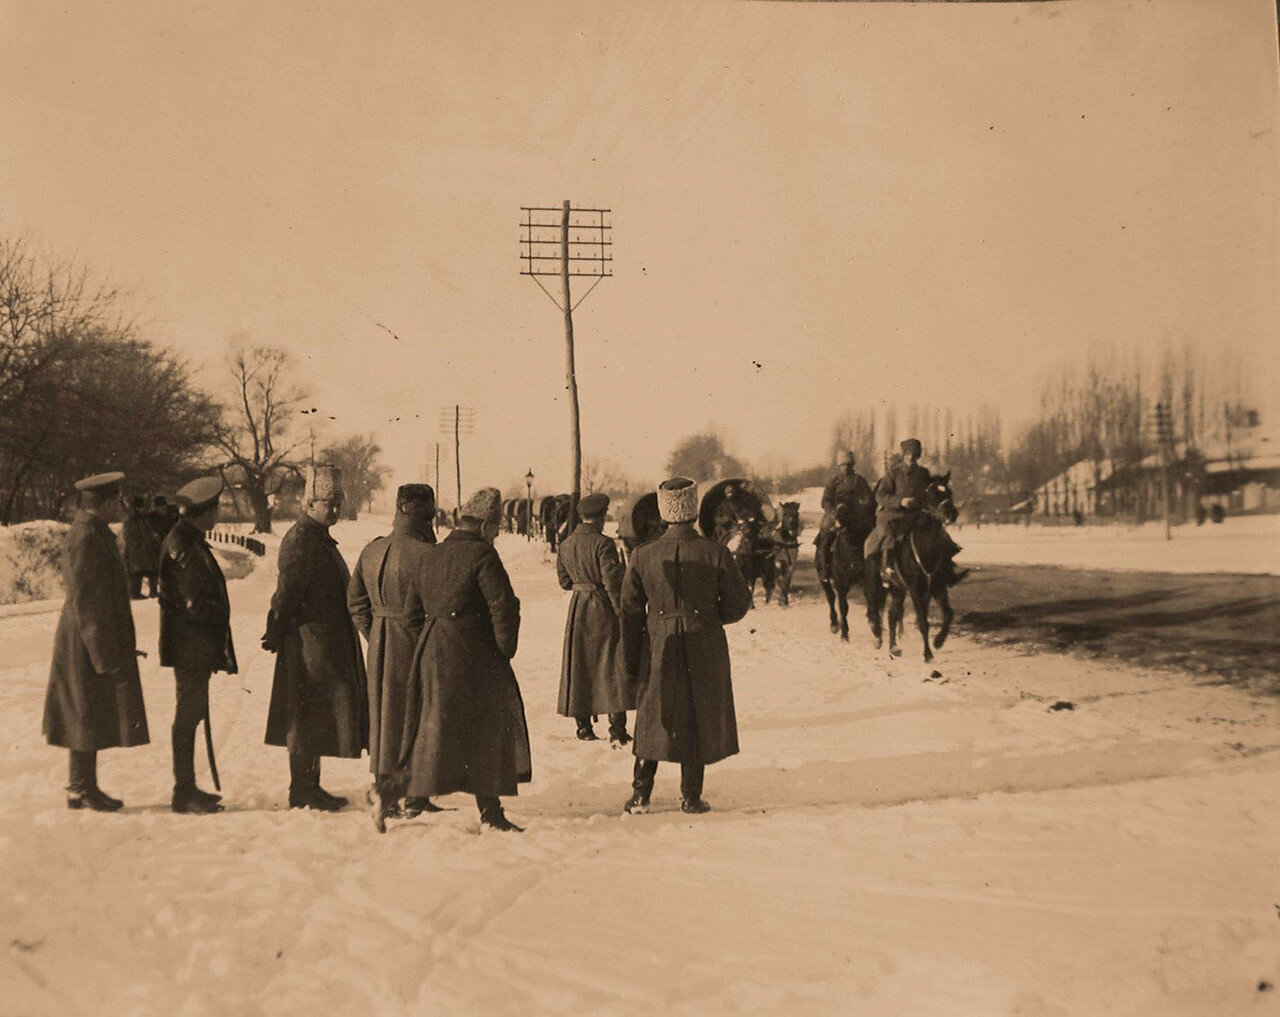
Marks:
<point>872,202</point>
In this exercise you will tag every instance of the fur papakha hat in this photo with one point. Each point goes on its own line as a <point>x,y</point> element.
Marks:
<point>678,500</point>
<point>324,483</point>
<point>485,506</point>
<point>416,500</point>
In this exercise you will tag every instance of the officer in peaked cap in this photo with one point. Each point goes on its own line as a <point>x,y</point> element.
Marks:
<point>195,634</point>
<point>94,696</point>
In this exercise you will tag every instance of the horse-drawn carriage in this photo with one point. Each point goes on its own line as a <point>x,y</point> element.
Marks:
<point>741,516</point>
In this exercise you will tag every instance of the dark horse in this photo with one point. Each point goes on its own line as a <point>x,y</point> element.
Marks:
<point>846,566</point>
<point>918,562</point>
<point>752,549</point>
<point>786,550</point>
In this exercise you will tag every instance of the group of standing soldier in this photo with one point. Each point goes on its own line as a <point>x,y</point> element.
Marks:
<point>436,703</point>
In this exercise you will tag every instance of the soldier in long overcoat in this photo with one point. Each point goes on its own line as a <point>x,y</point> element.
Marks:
<point>471,734</point>
<point>141,548</point>
<point>388,613</point>
<point>900,493</point>
<point>593,677</point>
<point>319,699</point>
<point>683,589</point>
<point>94,696</point>
<point>195,632</point>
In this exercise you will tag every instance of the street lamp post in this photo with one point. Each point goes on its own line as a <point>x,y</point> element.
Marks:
<point>528,522</point>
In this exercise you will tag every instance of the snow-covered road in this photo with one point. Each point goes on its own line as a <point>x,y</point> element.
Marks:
<point>884,844</point>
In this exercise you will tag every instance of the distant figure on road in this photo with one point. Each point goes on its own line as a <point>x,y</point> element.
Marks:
<point>94,697</point>
<point>319,699</point>
<point>682,589</point>
<point>388,613</point>
<point>593,679</point>
<point>141,548</point>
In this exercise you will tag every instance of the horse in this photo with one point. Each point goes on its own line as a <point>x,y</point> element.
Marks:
<point>916,561</point>
<point>786,550</point>
<point>846,566</point>
<point>752,550</point>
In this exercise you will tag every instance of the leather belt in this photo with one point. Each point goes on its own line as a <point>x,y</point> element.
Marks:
<point>588,587</point>
<point>686,614</point>
<point>384,613</point>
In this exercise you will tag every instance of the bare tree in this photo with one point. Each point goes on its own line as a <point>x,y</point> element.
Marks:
<point>362,475</point>
<point>254,435</point>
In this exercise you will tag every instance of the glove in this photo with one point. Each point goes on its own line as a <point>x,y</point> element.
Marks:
<point>908,502</point>
<point>270,643</point>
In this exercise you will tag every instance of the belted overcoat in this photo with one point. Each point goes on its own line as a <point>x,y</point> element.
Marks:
<point>683,589</point>
<point>94,697</point>
<point>471,733</point>
<point>593,677</point>
<point>388,613</point>
<point>319,700</point>
<point>902,481</point>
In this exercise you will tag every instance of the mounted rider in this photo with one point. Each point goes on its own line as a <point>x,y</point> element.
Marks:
<point>900,500</point>
<point>846,488</point>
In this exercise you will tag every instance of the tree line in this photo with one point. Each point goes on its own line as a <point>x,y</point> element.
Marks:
<point>81,391</point>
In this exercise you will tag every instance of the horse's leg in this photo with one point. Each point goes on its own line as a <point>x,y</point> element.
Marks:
<point>897,606</point>
<point>920,601</point>
<point>843,590</point>
<point>831,605</point>
<point>943,597</point>
<point>873,594</point>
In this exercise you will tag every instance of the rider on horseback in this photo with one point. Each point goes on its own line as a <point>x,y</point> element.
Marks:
<point>845,488</point>
<point>900,501</point>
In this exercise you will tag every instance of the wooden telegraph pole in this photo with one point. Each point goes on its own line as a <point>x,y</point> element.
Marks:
<point>585,250</point>
<point>457,420</point>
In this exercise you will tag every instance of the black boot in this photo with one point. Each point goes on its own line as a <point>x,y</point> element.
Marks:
<point>585,732</point>
<point>416,805</point>
<point>618,736</point>
<point>304,785</point>
<point>642,775</point>
<point>82,786</point>
<point>192,800</point>
<point>691,775</point>
<point>492,816</point>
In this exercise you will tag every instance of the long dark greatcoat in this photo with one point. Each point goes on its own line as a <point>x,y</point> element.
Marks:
<point>388,613</point>
<point>141,544</point>
<point>195,612</point>
<point>319,701</point>
<point>94,698</point>
<point>593,677</point>
<point>471,734</point>
<point>902,481</point>
<point>683,588</point>
<point>846,489</point>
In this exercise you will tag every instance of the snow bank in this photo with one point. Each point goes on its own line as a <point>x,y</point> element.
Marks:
<point>31,561</point>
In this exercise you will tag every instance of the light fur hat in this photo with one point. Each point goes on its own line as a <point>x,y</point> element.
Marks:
<point>485,505</point>
<point>324,483</point>
<point>678,500</point>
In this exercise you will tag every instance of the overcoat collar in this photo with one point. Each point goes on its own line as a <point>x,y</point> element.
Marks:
<point>316,527</point>
<point>589,528</point>
<point>414,527</point>
<point>459,533</point>
<point>680,531</point>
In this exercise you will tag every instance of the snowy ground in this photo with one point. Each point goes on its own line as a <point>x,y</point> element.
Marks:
<point>1248,544</point>
<point>884,844</point>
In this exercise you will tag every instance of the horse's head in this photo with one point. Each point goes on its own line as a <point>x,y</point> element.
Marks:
<point>938,498</point>
<point>789,521</point>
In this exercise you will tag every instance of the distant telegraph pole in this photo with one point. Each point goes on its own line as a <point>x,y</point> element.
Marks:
<point>567,241</point>
<point>1164,435</point>
<point>458,421</point>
